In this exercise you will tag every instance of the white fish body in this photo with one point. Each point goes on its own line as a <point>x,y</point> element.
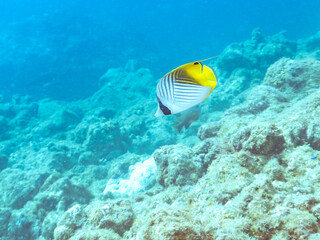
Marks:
<point>184,87</point>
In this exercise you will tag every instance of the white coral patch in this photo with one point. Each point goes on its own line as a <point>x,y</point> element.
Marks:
<point>141,178</point>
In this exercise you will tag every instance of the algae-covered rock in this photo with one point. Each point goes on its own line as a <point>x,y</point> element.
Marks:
<point>298,162</point>
<point>256,200</point>
<point>18,186</point>
<point>247,62</point>
<point>294,76</point>
<point>228,228</point>
<point>49,224</point>
<point>314,236</point>
<point>300,224</point>
<point>310,44</point>
<point>71,220</point>
<point>225,178</point>
<point>103,138</point>
<point>47,108</point>
<point>20,227</point>
<point>5,214</point>
<point>250,161</point>
<point>88,158</point>
<point>208,130</point>
<point>176,165</point>
<point>25,116</point>
<point>204,146</point>
<point>117,216</point>
<point>259,99</point>
<point>62,233</point>
<point>60,121</point>
<point>95,234</point>
<point>91,177</point>
<point>61,161</point>
<point>61,193</point>
<point>261,138</point>
<point>242,66</point>
<point>211,148</point>
<point>275,170</point>
<point>300,121</point>
<point>171,223</point>
<point>111,80</point>
<point>3,162</point>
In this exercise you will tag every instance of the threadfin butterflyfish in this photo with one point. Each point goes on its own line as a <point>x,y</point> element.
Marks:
<point>184,87</point>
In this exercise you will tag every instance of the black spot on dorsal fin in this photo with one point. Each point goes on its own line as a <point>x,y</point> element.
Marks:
<point>164,109</point>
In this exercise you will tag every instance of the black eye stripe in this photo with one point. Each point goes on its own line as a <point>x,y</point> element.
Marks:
<point>196,63</point>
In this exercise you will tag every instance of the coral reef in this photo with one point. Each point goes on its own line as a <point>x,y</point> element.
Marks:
<point>96,220</point>
<point>247,169</point>
<point>103,138</point>
<point>262,138</point>
<point>18,187</point>
<point>5,214</point>
<point>176,165</point>
<point>117,216</point>
<point>3,162</point>
<point>243,65</point>
<point>294,76</point>
<point>69,222</point>
<point>181,225</point>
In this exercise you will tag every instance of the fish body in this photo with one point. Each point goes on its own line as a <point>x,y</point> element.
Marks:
<point>184,87</point>
<point>187,117</point>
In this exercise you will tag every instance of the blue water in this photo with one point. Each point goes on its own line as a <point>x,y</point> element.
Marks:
<point>59,49</point>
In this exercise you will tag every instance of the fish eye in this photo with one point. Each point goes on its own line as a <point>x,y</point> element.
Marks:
<point>196,63</point>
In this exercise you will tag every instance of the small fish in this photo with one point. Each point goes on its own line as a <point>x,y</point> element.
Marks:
<point>184,87</point>
<point>187,118</point>
<point>313,158</point>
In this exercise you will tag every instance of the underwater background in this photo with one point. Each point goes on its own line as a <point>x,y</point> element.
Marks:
<point>83,157</point>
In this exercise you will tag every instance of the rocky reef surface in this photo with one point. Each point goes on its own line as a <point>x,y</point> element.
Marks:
<point>105,168</point>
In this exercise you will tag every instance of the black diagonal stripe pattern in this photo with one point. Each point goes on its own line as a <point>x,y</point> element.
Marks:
<point>182,77</point>
<point>177,86</point>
